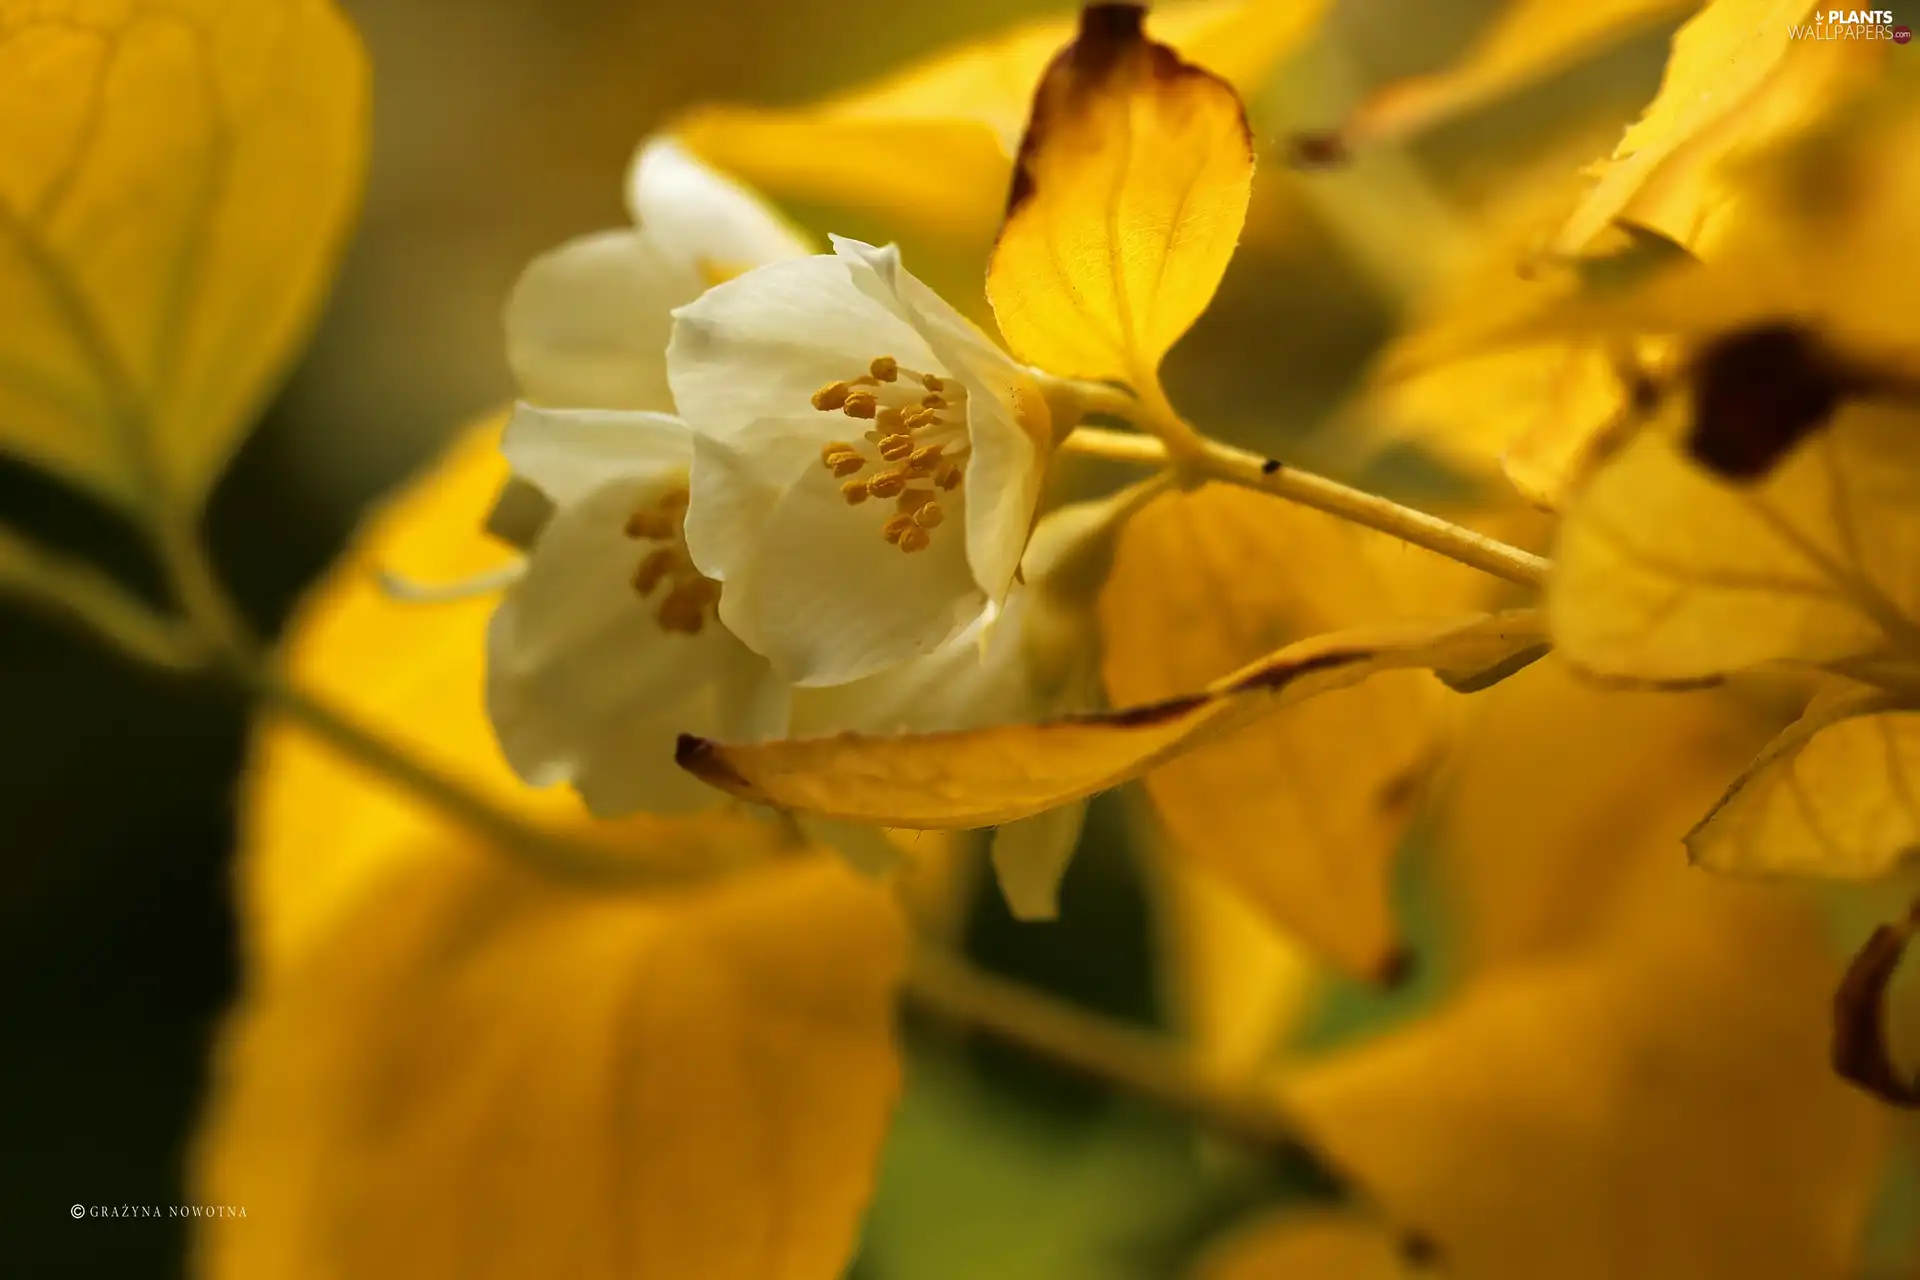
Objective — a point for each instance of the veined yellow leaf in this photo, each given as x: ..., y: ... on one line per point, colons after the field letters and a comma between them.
x: 445, y: 1065
x: 1302, y: 812
x: 1836, y: 794
x: 1128, y: 198
x: 1630, y: 1039
x: 178, y: 180
x: 982, y: 777
x: 932, y: 145
x: 1667, y: 571
x: 474, y: 1072
x: 1529, y: 41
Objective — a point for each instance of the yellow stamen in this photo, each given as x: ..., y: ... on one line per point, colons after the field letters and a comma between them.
x: 925, y: 458
x: 930, y: 382
x: 653, y: 526
x: 948, y: 477
x: 934, y: 402
x: 847, y: 464
x: 914, y: 538
x: 861, y: 404
x: 894, y: 448
x: 885, y: 368
x: 856, y: 492
x: 888, y: 484
x: 685, y: 609
x: 929, y: 515
x: 890, y: 421
x: 831, y: 396
x: 654, y: 569
x: 896, y: 527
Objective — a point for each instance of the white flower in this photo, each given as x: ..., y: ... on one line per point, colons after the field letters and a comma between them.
x: 588, y: 323
x: 608, y: 646
x: 866, y: 463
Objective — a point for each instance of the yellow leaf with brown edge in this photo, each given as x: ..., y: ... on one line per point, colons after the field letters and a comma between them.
x: 983, y: 777
x: 179, y: 178
x: 444, y: 1064
x: 1529, y: 41
x: 1300, y: 813
x: 931, y: 146
x: 1636, y: 1082
x: 1722, y: 58
x: 1837, y: 795
x: 1128, y: 197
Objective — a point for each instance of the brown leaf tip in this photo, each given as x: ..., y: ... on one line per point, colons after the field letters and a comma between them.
x: 1758, y: 392
x: 706, y: 760
x: 1112, y: 41
x: 1860, y: 1050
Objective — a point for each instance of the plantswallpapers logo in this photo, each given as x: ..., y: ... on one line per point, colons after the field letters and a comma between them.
x: 1852, y: 24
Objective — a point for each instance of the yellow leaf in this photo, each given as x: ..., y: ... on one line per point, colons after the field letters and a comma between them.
x: 982, y: 777
x: 178, y: 180
x: 476, y: 1073
x: 1722, y: 58
x: 1311, y: 1244
x: 445, y: 1065
x: 932, y: 145
x: 1301, y: 812
x: 1128, y: 197
x: 1531, y: 811
x: 1836, y: 794
x: 1529, y: 41
x: 1235, y: 985
x: 1666, y: 571
x: 411, y: 672
x: 1635, y: 1082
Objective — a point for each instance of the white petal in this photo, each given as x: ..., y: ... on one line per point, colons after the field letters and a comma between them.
x: 754, y: 704
x: 588, y: 323
x: 1008, y: 467
x: 978, y: 678
x: 630, y: 768
x: 760, y: 346
x: 1030, y: 857
x: 569, y: 453
x: 701, y: 217
x: 734, y: 489
x: 577, y: 664
x: 814, y: 587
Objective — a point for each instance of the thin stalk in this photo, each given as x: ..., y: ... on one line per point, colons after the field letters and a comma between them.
x: 1218, y: 461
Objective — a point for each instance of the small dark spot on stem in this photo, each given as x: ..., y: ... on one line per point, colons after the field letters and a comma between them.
x: 1271, y: 467
x: 1318, y: 149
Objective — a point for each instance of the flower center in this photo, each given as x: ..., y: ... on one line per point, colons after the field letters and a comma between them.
x: 917, y: 447
x: 690, y: 597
